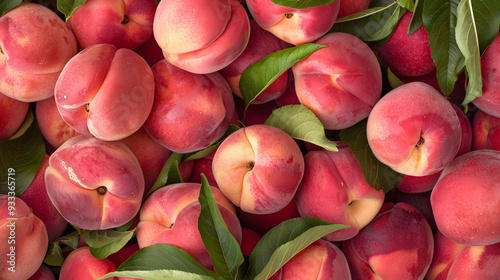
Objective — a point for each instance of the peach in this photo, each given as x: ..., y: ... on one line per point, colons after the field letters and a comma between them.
x: 255, y: 113
x: 340, y: 83
x: 261, y: 44
x: 485, y: 131
x: 295, y: 26
x: 397, y: 244
x: 150, y: 51
x: 352, y: 6
x: 105, y: 91
x: 455, y: 261
x: 203, y: 166
x: 12, y: 116
x: 321, y: 260
x: 407, y: 55
x: 414, y: 130
x: 221, y: 52
x: 123, y: 23
x: 249, y: 240
x: 95, y: 184
x: 23, y: 236
x: 170, y: 216
x: 43, y: 273
x: 54, y: 129
x: 489, y: 101
x: 37, y: 198
x: 258, y: 168
x: 81, y: 264
x: 200, y: 104
x: 30, y: 60
x: 289, y: 97
x: 334, y: 189
x: 469, y: 182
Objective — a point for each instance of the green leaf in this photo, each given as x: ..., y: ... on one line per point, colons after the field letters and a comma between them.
x: 65, y: 243
x: 6, y: 6
x: 440, y: 19
x: 103, y: 243
x: 223, y: 248
x: 487, y: 20
x: 302, y: 4
x: 169, y: 174
x: 407, y: 4
x: 22, y: 157
x: 283, y: 242
x: 162, y: 257
x: 467, y: 41
x: 377, y: 175
x: 373, y: 24
x: 205, y: 152
x: 416, y: 20
x: 68, y: 7
x: 302, y: 124
x: 159, y: 275
x: 259, y: 75
x: 394, y: 81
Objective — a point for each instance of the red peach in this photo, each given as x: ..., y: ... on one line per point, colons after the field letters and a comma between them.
x: 12, y: 116
x: 81, y: 264
x: 485, y: 129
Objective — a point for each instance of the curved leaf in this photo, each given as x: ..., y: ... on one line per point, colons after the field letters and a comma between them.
x: 416, y: 19
x: 169, y: 174
x: 68, y: 7
x: 158, y: 275
x: 302, y: 4
x: 302, y: 124
x: 6, y: 6
x: 103, y: 243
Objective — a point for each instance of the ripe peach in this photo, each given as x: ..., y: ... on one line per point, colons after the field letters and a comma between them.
x: 340, y: 83
x: 486, y: 131
x: 30, y: 61
x: 469, y: 182
x: 200, y: 104
x: 170, y: 216
x: 81, y: 264
x: 334, y: 189
x: 23, y: 238
x: 95, y: 184
x: 12, y: 116
x: 203, y: 165
x: 105, y: 91
x: 258, y: 168
x: 125, y: 24
x: 414, y: 130
x: 295, y: 26
x: 261, y: 43
x: 221, y: 52
x: 255, y: 113
x: 407, y: 55
x: 352, y: 6
x: 397, y: 244
x: 43, y: 273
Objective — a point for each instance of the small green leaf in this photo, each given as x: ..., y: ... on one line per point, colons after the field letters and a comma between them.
x: 302, y: 124
x: 56, y: 249
x: 205, y: 152
x: 223, y: 248
x: 6, y: 6
x: 467, y: 41
x: 103, y: 243
x: 283, y: 242
x: 302, y: 4
x: 22, y: 157
x: 416, y: 20
x: 259, y: 75
x: 162, y: 257
x: 487, y: 20
x: 159, y: 275
x: 407, y: 4
x: 377, y: 175
x: 394, y: 81
x: 169, y: 174
x: 68, y: 7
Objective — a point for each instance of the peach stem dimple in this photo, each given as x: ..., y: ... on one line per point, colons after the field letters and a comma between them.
x: 250, y: 165
x: 420, y: 142
x: 87, y: 107
x: 288, y: 15
x: 125, y: 20
x: 102, y: 190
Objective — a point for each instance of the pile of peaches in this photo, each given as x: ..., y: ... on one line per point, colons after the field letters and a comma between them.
x: 140, y: 106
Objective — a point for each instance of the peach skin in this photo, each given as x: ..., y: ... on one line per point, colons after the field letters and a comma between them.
x: 12, y: 116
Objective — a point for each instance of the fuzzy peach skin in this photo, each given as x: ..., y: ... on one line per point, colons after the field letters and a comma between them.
x: 456, y: 261
x: 105, y: 91
x: 261, y: 44
x: 95, y: 184
x: 190, y: 111
x: 170, y: 216
x: 82, y: 265
x: 334, y: 189
x: 466, y: 197
x: 181, y: 26
x: 489, y: 101
x: 54, y: 129
x: 259, y: 168
x: 123, y: 23
x: 23, y: 238
x: 43, y: 273
x: 37, y: 198
x: 295, y: 26
x: 321, y: 260
x: 352, y: 6
x: 397, y: 244
x: 12, y: 115
x: 35, y: 45
x: 485, y: 131
x: 221, y: 52
x: 407, y: 55
x: 414, y: 130
x: 340, y: 83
